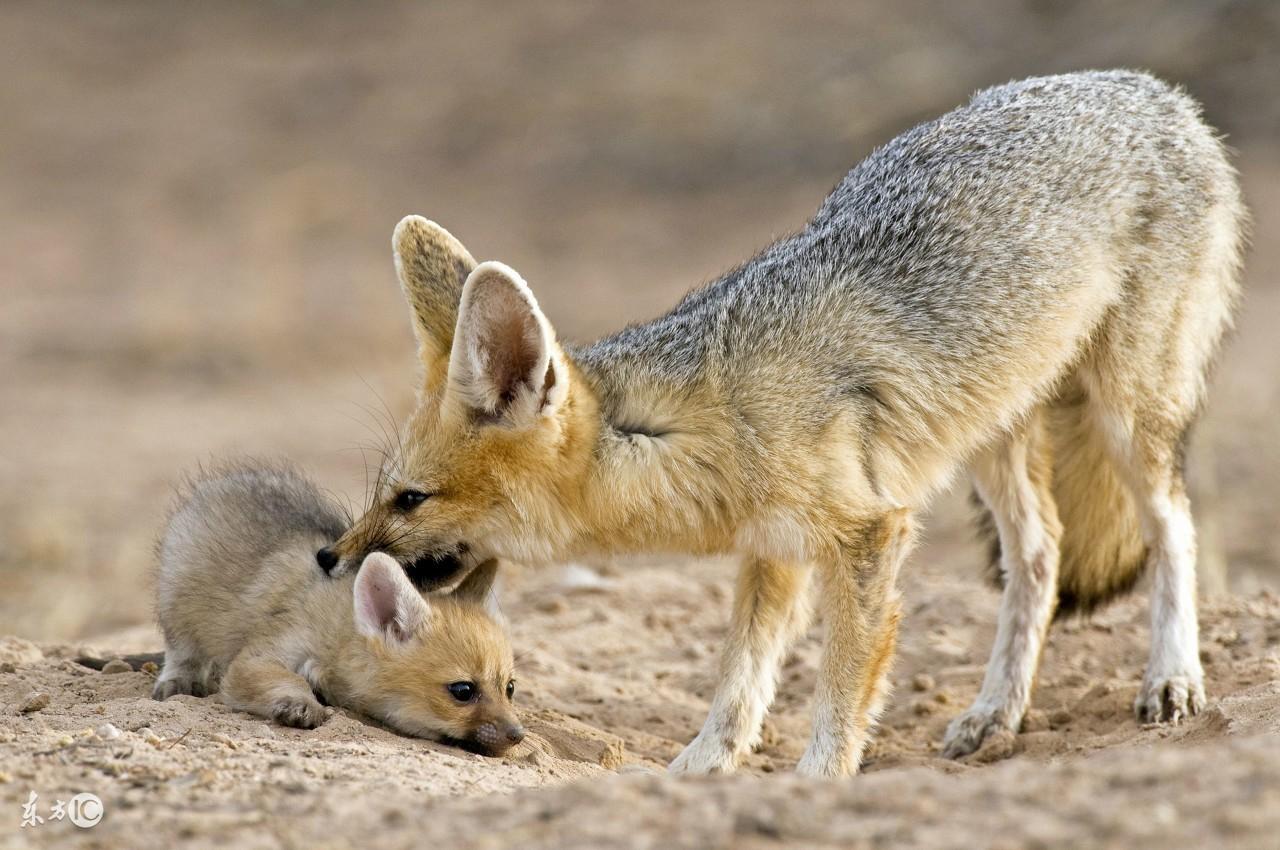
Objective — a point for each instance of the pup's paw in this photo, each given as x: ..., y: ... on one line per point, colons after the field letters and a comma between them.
x: 704, y: 755
x: 1169, y: 698
x: 174, y: 685
x: 966, y: 732
x: 299, y: 713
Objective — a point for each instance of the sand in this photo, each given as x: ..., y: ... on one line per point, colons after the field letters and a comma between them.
x: 615, y: 677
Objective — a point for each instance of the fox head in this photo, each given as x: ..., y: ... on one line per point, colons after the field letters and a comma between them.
x: 439, y: 669
x: 490, y: 463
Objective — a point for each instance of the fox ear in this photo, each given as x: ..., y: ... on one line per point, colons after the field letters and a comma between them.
x: 505, y: 364
x: 480, y: 587
x: 387, y: 605
x: 432, y: 267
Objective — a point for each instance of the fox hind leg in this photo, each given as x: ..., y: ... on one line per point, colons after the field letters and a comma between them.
x: 1013, y: 478
x: 1148, y: 448
x: 770, y: 609
x: 183, y: 672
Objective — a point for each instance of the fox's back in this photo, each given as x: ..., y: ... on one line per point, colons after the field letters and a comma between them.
x: 974, y: 247
x: 239, y: 550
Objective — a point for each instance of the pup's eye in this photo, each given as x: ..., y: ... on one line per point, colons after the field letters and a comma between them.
x: 463, y: 691
x: 407, y: 500
x: 511, y: 689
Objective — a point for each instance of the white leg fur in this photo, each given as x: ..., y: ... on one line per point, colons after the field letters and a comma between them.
x: 1173, y: 685
x: 770, y: 609
x: 1029, y: 531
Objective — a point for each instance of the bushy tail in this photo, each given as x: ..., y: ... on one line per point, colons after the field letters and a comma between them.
x: 1102, y: 550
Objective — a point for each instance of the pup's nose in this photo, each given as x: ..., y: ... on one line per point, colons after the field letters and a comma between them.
x: 515, y: 734
x: 327, y: 559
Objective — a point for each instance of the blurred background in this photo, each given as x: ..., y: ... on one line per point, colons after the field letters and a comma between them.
x: 196, y: 204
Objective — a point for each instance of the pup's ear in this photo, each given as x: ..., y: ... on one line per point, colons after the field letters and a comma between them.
x: 480, y: 587
x: 432, y: 267
x: 387, y: 606
x: 505, y: 366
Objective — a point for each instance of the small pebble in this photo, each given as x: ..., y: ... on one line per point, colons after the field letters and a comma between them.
x: 117, y: 665
x: 555, y: 605
x: 642, y: 769
x: 8, y: 667
x: 1059, y: 718
x: 35, y: 701
x: 1035, y: 721
x: 997, y: 746
x: 923, y: 682
x: 107, y: 732
x: 224, y: 740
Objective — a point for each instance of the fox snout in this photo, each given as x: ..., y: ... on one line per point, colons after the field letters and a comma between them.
x: 428, y: 572
x: 495, y: 738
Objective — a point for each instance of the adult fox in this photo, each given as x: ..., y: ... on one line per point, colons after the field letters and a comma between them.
x: 1032, y: 286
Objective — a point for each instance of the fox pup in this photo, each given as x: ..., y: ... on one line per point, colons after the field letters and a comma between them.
x: 1031, y: 287
x: 245, y: 610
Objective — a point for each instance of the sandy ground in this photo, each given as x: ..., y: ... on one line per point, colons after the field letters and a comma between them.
x: 615, y: 678
x: 195, y: 209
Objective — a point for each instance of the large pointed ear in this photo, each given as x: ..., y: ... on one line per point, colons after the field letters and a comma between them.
x: 480, y: 587
x: 432, y: 267
x: 505, y: 366
x: 387, y: 606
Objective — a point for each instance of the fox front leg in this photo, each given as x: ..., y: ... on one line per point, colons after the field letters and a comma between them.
x: 263, y: 686
x: 862, y: 608
x: 770, y: 608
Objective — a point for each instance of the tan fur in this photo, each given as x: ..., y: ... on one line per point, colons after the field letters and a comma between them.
x: 1102, y: 550
x: 1057, y: 236
x: 274, y: 632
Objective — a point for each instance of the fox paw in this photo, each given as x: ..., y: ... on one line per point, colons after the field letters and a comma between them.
x: 1169, y: 699
x: 704, y: 755
x: 966, y: 732
x: 174, y: 685
x: 299, y: 713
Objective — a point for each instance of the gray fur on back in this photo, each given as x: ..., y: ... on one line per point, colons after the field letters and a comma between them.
x: 940, y: 245
x: 245, y: 510
x: 229, y: 520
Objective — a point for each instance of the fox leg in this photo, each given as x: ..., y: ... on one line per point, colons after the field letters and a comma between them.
x: 263, y: 686
x: 770, y: 608
x: 1150, y: 459
x: 1173, y: 684
x: 1013, y: 478
x: 184, y: 672
x: 862, y: 608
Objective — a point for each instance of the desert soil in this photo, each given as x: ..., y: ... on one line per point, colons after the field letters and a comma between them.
x: 195, y: 211
x: 615, y: 676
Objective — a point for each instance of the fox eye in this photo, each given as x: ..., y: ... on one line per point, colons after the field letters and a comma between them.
x: 511, y: 689
x: 463, y: 691
x: 407, y: 500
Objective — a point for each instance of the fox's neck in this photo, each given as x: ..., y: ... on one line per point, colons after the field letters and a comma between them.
x: 665, y: 465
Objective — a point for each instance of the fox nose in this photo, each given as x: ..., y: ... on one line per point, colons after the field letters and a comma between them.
x: 515, y: 734
x: 327, y: 559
